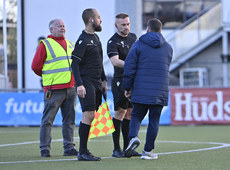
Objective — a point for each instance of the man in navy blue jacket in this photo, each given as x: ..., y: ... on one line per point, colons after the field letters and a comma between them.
x: 146, y: 82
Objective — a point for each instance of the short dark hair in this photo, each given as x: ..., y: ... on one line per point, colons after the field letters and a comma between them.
x: 154, y: 25
x: 122, y: 15
x: 87, y: 14
x: 41, y: 38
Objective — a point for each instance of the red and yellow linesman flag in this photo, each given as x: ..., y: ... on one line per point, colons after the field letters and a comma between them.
x: 102, y: 123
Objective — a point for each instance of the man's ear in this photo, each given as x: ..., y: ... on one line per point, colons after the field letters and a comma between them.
x: 147, y: 29
x: 91, y: 20
x: 51, y: 30
x: 115, y: 25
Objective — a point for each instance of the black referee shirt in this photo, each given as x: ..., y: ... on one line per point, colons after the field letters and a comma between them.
x: 118, y: 45
x: 88, y: 57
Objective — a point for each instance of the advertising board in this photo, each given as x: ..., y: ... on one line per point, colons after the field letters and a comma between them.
x: 25, y: 109
x: 200, y: 106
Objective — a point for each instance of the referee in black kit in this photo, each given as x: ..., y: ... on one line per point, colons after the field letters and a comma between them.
x: 87, y: 66
x: 118, y: 48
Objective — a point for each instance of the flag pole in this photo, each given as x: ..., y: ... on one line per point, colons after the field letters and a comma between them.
x: 5, y: 43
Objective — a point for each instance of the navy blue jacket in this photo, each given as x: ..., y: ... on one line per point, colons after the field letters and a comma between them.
x: 146, y: 70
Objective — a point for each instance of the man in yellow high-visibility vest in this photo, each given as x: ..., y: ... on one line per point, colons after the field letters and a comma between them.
x: 52, y: 61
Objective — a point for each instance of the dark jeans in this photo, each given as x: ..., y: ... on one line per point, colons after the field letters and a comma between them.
x: 138, y: 114
x: 65, y: 99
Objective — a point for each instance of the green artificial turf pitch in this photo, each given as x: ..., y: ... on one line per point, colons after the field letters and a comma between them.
x: 179, y: 147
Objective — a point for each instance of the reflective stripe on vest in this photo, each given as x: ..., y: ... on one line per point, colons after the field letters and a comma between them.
x: 56, y: 69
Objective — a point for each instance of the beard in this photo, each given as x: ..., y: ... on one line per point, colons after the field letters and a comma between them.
x: 125, y: 32
x: 97, y: 28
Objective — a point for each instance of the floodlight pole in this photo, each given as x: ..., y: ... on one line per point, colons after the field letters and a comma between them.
x: 225, y: 42
x: 225, y: 58
x: 5, y: 43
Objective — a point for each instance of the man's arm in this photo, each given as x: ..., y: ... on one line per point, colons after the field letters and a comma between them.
x: 76, y: 70
x: 104, y: 82
x: 113, y: 54
x: 117, y: 62
x: 81, y: 92
x: 77, y: 56
x: 39, y: 59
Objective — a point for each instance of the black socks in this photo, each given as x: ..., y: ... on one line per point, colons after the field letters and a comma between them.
x: 120, y: 126
x: 83, y: 134
x: 116, y: 133
x: 125, y: 132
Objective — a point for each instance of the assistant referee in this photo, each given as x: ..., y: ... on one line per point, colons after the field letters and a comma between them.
x: 118, y: 48
x: 87, y: 66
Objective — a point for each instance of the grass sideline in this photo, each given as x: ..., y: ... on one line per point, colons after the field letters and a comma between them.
x: 205, y: 147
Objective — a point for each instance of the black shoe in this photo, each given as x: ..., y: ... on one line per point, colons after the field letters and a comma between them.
x: 71, y: 152
x: 118, y: 154
x: 87, y: 156
x: 45, y: 153
x: 135, y: 153
x: 133, y: 144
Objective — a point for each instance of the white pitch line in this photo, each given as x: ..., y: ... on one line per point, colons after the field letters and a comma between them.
x: 32, y: 142
x: 16, y: 144
x: 196, y: 150
x: 222, y: 145
x: 34, y: 161
x: 53, y: 140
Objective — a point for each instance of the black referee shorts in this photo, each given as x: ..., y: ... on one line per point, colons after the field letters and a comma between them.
x: 119, y: 98
x: 93, y: 97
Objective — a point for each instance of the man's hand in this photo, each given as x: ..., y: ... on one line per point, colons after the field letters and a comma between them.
x: 81, y: 92
x: 128, y: 94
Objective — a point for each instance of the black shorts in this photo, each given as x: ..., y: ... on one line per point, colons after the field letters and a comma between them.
x: 119, y: 98
x: 93, y: 97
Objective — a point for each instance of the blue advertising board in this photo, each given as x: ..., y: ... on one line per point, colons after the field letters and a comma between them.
x: 25, y: 109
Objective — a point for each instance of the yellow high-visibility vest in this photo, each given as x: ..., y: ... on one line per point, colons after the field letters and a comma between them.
x: 57, y: 66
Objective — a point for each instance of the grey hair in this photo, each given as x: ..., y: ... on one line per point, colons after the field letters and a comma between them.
x: 52, y: 23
